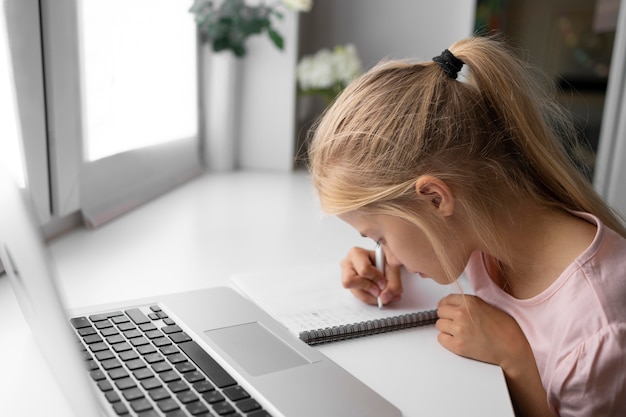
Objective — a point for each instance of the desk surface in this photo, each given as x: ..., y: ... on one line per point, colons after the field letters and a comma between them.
x: 198, y: 236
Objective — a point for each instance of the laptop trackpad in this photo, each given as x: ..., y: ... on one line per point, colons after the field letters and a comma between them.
x: 255, y: 348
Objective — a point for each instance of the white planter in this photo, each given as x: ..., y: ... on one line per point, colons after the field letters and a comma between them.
x: 222, y: 72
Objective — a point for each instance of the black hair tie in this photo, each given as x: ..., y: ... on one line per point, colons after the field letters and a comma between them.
x: 450, y: 64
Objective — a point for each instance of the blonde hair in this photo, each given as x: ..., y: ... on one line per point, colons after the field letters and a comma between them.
x: 495, y: 138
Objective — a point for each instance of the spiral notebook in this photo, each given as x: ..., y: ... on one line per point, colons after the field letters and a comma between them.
x: 311, y: 303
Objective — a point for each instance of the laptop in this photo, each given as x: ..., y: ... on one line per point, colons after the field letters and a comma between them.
x: 209, y: 352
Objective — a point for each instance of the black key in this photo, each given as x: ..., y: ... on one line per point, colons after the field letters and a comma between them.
x: 120, y: 409
x: 104, y: 316
x: 146, y: 327
x: 196, y: 408
x: 186, y: 397
x: 111, y: 364
x: 135, y: 364
x: 112, y: 396
x: 125, y: 383
x: 171, y: 350
x: 161, y: 367
x: 109, y: 331
x: 153, y: 358
x: 203, y: 386
x: 143, y: 373
x: 132, y: 394
x: 120, y: 319
x: 260, y: 413
x: 104, y: 324
x: 214, y: 371
x: 137, y: 316
x: 126, y: 326
x: 248, y: 405
x: 118, y: 373
x: 155, y: 308
x: 86, y: 331
x: 153, y: 333
x: 236, y: 393
x: 139, y: 341
x: 105, y: 386
x: 104, y: 355
x: 128, y: 355
x: 180, y: 337
x: 169, y: 376
x: 146, y: 349
x: 121, y: 347
x: 151, y: 413
x: 97, y: 375
x: 91, y: 365
x: 178, y: 386
x: 161, y: 341
x: 168, y: 404
x: 97, y: 347
x: 177, y: 358
x: 80, y: 322
x: 92, y: 338
x: 213, y: 397
x: 141, y: 405
x: 116, y: 338
x: 223, y: 408
x: 179, y: 413
x: 151, y: 383
x: 158, y: 394
x: 193, y: 376
x: 134, y: 332
x: 171, y: 329
x: 185, y: 367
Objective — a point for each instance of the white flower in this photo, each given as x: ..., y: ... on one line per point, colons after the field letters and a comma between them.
x: 329, y: 69
x: 347, y: 64
x: 299, y: 5
x: 316, y: 71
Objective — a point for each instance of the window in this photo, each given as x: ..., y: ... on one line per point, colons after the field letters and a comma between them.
x: 25, y: 99
x: 10, y: 130
x: 120, y: 71
x: 139, y: 71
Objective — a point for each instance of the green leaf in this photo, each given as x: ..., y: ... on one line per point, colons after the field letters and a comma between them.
x: 239, y: 50
x: 276, y: 38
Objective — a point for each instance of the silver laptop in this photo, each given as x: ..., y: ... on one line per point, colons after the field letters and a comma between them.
x: 208, y: 352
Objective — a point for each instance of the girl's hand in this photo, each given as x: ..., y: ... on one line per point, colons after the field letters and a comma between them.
x: 359, y: 275
x: 472, y: 328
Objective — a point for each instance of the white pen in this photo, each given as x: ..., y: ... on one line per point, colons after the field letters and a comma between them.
x: 380, y: 265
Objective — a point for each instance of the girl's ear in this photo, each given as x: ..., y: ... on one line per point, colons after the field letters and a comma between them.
x: 436, y: 193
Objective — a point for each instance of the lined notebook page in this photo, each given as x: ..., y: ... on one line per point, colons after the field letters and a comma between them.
x: 311, y: 297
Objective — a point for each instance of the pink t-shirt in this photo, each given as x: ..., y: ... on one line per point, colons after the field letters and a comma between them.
x: 576, y: 327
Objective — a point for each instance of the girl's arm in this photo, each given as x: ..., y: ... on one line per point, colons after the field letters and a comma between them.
x: 472, y: 328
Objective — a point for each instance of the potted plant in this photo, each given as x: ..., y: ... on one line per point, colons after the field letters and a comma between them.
x: 228, y: 25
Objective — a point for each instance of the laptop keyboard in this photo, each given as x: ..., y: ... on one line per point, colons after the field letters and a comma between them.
x: 145, y: 365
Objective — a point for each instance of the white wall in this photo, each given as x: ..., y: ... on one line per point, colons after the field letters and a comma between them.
x: 266, y: 132
x: 388, y: 29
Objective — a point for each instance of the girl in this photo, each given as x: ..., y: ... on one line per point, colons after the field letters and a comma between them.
x: 473, y: 175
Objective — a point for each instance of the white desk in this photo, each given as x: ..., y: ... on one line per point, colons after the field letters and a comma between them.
x: 198, y: 236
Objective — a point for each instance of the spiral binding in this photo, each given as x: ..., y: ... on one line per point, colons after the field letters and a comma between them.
x: 366, y: 328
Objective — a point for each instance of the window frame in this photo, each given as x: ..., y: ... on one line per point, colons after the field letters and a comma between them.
x: 104, y: 189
